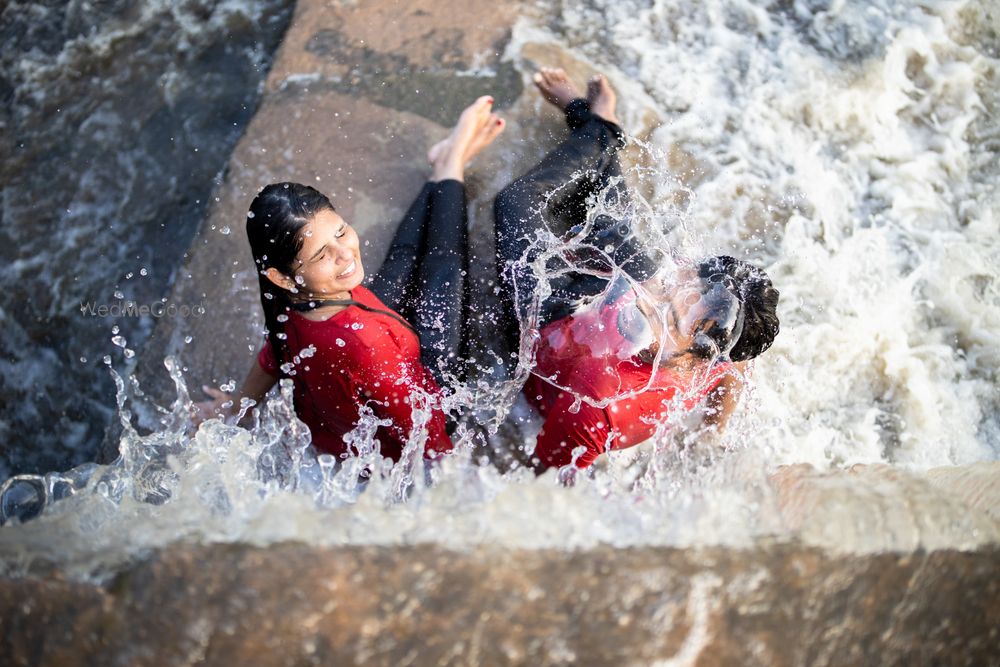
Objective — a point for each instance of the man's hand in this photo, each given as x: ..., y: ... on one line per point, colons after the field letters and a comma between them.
x: 722, y: 400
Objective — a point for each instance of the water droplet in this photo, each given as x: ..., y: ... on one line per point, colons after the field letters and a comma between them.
x: 250, y: 214
x: 282, y: 318
x: 118, y: 340
x: 357, y: 325
x: 129, y: 353
x: 188, y: 339
x: 143, y: 272
x: 119, y: 295
x: 340, y: 342
x: 225, y: 231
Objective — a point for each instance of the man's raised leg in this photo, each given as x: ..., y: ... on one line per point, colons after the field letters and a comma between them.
x: 555, y: 192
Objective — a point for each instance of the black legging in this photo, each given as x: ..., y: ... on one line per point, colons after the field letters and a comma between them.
x: 423, y: 275
x: 555, y: 193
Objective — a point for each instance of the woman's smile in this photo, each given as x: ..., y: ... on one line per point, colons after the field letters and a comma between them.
x: 349, y: 271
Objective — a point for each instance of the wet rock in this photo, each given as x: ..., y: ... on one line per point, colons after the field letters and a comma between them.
x: 292, y: 604
x: 879, y: 507
x: 116, y: 119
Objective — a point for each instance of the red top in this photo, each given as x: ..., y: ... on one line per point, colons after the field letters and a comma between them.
x: 580, y: 353
x: 356, y: 358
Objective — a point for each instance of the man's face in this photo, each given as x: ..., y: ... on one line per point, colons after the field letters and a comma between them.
x: 694, y: 320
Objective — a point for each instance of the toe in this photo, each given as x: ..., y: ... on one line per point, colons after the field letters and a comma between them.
x: 593, y: 88
x: 491, y: 130
x: 496, y: 124
x: 477, y: 108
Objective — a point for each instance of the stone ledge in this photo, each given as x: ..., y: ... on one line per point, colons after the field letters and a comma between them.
x: 293, y: 604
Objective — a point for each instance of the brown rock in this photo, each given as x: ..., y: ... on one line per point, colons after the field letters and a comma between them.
x: 879, y: 507
x: 293, y: 604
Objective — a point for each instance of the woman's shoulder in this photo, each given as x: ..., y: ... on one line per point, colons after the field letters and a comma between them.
x: 362, y: 294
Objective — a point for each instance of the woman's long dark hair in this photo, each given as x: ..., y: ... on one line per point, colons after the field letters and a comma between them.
x: 276, y: 218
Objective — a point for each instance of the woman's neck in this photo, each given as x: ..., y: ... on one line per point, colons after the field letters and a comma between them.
x: 324, y: 311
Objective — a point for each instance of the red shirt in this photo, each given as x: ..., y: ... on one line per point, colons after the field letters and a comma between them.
x: 581, y: 353
x: 356, y: 358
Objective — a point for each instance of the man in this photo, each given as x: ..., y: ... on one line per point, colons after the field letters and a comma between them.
x: 623, y: 342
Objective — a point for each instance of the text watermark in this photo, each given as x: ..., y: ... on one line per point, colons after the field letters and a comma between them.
x: 135, y: 309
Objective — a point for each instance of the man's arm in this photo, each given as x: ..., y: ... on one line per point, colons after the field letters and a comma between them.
x: 722, y: 400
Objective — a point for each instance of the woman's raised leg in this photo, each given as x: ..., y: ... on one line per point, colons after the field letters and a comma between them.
x: 438, y: 294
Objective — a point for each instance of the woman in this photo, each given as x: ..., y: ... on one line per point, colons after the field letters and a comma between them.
x: 346, y: 346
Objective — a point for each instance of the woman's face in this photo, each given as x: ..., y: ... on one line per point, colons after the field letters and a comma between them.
x: 329, y: 262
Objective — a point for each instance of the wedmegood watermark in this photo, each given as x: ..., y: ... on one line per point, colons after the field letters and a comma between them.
x: 135, y: 309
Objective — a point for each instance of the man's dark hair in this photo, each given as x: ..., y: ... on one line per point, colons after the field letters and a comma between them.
x: 759, y: 299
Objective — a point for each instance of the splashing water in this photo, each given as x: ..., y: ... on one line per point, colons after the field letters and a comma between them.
x: 264, y: 484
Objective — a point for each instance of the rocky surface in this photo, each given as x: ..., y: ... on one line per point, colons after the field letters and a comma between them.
x: 879, y: 507
x: 293, y: 604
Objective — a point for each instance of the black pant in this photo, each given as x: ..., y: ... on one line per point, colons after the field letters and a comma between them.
x: 423, y: 276
x: 555, y: 194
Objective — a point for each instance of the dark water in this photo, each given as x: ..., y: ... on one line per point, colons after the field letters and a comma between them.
x: 117, y: 121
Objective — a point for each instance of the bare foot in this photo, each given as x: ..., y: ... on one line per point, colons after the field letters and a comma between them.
x: 477, y: 127
x: 602, y: 98
x: 480, y: 141
x: 556, y: 87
